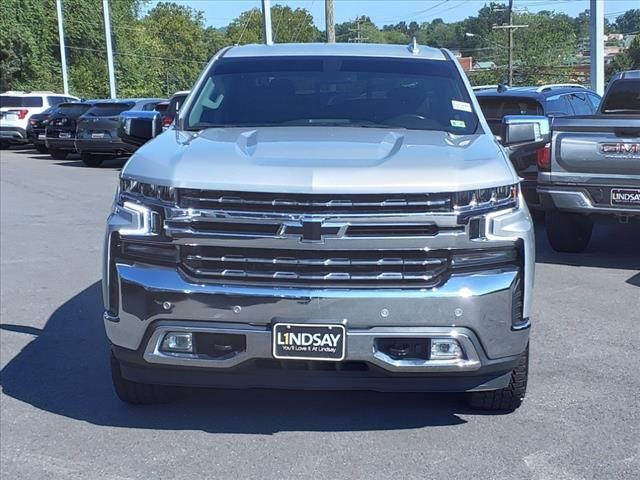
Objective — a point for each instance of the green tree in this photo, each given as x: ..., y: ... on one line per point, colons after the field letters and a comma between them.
x: 288, y: 26
x: 629, y: 22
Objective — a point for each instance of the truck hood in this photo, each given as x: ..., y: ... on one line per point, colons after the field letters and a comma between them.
x: 322, y: 160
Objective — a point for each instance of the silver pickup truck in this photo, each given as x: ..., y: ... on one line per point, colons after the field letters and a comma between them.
x: 591, y: 171
x: 323, y: 217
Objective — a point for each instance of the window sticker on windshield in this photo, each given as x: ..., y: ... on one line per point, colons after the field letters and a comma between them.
x: 458, y: 123
x: 462, y: 106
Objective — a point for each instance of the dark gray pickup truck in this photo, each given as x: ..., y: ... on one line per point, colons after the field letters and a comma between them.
x: 592, y: 171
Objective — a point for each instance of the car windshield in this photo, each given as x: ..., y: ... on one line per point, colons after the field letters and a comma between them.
x: 16, y: 101
x: 623, y: 96
x: 108, y: 109
x: 333, y: 91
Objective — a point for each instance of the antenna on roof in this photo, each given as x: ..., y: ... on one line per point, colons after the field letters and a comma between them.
x: 413, y: 46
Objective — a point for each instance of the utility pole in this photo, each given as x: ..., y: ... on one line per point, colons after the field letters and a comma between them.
x: 63, y: 52
x: 331, y: 26
x: 596, y: 18
x: 107, y: 33
x: 511, y: 27
x: 266, y: 19
x: 510, y: 43
x: 359, y: 38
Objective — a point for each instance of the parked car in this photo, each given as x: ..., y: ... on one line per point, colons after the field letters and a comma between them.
x: 328, y: 216
x: 555, y: 100
x: 161, y: 108
x: 60, y: 130
x: 36, y: 128
x: 16, y: 108
x: 175, y: 102
x: 97, y: 136
x: 592, y: 172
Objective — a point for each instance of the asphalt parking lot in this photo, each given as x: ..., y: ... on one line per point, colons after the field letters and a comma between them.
x: 61, y: 419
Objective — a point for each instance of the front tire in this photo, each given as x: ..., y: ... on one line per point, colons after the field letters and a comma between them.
x: 58, y: 154
x: 506, y: 399
x: 138, y: 393
x: 568, y: 232
x: 42, y: 148
x: 90, y: 160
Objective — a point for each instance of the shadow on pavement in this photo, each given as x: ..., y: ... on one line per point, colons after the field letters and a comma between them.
x: 64, y: 370
x: 612, y: 246
x: 72, y: 160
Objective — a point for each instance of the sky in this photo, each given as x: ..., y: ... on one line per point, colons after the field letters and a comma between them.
x: 219, y: 13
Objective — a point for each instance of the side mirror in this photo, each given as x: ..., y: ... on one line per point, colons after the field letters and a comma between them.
x: 138, y: 127
x: 524, y: 134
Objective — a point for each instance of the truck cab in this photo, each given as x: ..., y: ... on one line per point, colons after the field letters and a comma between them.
x: 323, y: 217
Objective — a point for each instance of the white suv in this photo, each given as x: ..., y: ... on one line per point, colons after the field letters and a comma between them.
x: 17, y: 107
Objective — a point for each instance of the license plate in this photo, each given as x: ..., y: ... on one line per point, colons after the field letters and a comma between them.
x: 295, y: 341
x: 97, y: 135
x: 625, y: 196
x: 65, y: 135
x: 41, y: 136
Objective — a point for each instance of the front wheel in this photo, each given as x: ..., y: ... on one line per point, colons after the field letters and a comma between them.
x: 58, y: 154
x: 42, y: 148
x: 568, y: 232
x: 506, y: 399
x: 91, y: 160
x: 138, y: 393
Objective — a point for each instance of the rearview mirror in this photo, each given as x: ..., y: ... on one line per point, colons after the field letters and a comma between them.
x: 524, y: 134
x: 138, y: 127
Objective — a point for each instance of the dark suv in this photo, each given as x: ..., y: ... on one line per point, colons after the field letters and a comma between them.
x: 60, y: 131
x: 97, y: 134
x: 556, y: 100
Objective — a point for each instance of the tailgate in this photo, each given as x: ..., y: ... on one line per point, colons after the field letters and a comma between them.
x: 596, y: 150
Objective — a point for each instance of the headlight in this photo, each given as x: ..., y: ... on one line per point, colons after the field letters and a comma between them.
x: 150, y: 191
x: 486, y: 198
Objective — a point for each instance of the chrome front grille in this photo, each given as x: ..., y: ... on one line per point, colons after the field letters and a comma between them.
x: 342, y: 268
x: 316, y: 204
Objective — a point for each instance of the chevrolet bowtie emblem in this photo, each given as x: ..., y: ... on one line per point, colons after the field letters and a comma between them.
x: 312, y: 230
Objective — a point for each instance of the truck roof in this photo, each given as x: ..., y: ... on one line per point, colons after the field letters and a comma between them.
x: 335, y: 49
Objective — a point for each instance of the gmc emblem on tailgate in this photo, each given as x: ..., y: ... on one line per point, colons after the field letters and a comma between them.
x: 620, y: 148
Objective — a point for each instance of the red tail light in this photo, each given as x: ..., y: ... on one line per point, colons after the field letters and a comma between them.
x: 21, y: 113
x: 166, y: 121
x: 543, y: 157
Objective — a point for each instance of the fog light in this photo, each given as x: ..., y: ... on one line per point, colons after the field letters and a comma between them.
x: 445, y: 349
x: 178, y: 342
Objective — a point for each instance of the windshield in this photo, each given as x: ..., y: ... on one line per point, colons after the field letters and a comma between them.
x: 108, y: 109
x: 333, y: 91
x: 14, y: 101
x: 623, y: 96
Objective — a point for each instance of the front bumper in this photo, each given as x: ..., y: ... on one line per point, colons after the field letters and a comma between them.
x: 475, y: 309
x: 579, y: 199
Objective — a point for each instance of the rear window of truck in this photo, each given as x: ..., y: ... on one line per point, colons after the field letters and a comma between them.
x: 623, y: 96
x: 334, y: 91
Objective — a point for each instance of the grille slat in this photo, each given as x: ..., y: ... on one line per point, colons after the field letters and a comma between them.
x: 315, y: 203
x: 325, y: 268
